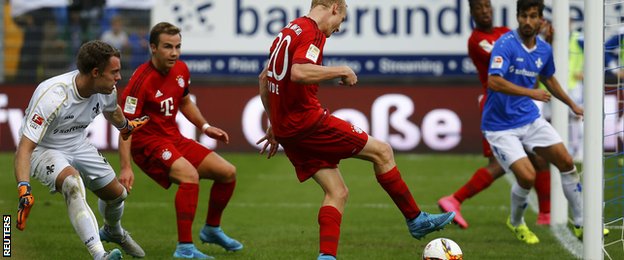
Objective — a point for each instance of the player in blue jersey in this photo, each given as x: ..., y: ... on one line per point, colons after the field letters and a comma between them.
x: 511, y: 122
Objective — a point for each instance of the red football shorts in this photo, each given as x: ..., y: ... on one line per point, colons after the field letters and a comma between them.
x: 487, y: 150
x: 333, y: 140
x: 156, y: 158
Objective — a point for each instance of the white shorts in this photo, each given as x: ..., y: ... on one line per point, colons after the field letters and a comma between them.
x: 509, y: 145
x: 47, y: 164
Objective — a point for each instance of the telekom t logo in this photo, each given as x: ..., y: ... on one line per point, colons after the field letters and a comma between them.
x: 166, y: 106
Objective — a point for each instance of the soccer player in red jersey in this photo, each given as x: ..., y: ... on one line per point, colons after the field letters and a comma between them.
x: 480, y: 45
x: 313, y: 139
x: 160, y: 88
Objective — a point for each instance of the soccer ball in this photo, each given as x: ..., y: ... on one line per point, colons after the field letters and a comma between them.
x: 442, y: 249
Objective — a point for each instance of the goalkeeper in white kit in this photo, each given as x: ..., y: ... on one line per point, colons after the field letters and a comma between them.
x: 54, y: 148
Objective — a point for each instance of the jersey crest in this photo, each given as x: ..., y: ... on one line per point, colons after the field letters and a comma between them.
x: 539, y: 63
x: 166, y: 154
x: 180, y: 81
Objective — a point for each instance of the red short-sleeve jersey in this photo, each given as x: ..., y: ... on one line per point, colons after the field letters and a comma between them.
x: 480, y: 46
x: 294, y: 106
x: 150, y: 92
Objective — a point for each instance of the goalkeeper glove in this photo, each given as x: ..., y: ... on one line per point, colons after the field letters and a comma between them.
x: 26, y: 201
x: 132, y: 125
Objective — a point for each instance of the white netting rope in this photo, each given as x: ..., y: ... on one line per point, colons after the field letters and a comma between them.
x: 614, y: 129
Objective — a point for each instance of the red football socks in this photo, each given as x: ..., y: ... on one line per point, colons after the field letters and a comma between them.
x: 329, y: 219
x: 220, y: 195
x: 185, y: 205
x: 542, y: 188
x: 480, y: 180
x: 399, y: 192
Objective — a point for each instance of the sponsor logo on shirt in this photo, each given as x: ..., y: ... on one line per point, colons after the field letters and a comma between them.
x: 158, y: 94
x: 130, y: 105
x: 313, y: 53
x: 497, y: 62
x: 180, y: 80
x: 486, y: 46
x: 69, y: 130
x: 526, y: 73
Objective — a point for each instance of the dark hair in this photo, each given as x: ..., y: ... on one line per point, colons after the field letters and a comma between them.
x: 160, y: 28
x: 95, y: 54
x: 471, y: 3
x: 524, y: 5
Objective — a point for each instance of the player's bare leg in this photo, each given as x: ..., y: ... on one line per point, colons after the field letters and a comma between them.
x: 223, y: 173
x: 525, y: 176
x: 388, y: 176
x: 111, y: 207
x: 479, y: 181
x: 330, y: 213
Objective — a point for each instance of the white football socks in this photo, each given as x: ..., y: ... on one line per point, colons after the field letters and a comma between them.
x: 519, y: 197
x: 572, y: 189
x: 81, y: 216
x: 112, y: 211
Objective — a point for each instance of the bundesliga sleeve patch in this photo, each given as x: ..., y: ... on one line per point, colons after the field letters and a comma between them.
x: 313, y: 53
x: 37, y: 121
x: 497, y: 62
x: 130, y: 105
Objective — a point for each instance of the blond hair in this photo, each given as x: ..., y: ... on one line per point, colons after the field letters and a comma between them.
x: 328, y: 3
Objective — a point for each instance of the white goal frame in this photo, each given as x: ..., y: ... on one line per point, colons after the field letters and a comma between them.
x: 593, y: 126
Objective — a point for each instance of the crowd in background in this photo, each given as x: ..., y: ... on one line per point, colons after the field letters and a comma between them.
x: 42, y: 42
x: 45, y: 40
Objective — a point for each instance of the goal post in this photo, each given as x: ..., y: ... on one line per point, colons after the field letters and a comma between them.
x: 559, y: 117
x: 593, y: 127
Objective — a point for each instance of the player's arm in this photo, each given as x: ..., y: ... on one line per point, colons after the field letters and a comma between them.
x: 116, y: 117
x: 263, y: 89
x: 309, y: 73
x: 24, y: 151
x: 125, y: 126
x: 552, y: 84
x: 126, y: 175
x: 271, y: 143
x: 22, y: 159
x: 192, y: 113
x: 498, y: 83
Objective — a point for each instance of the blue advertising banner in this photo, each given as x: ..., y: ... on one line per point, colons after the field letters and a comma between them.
x: 363, y: 65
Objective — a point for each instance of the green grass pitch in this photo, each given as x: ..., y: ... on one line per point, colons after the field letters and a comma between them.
x: 275, y: 216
